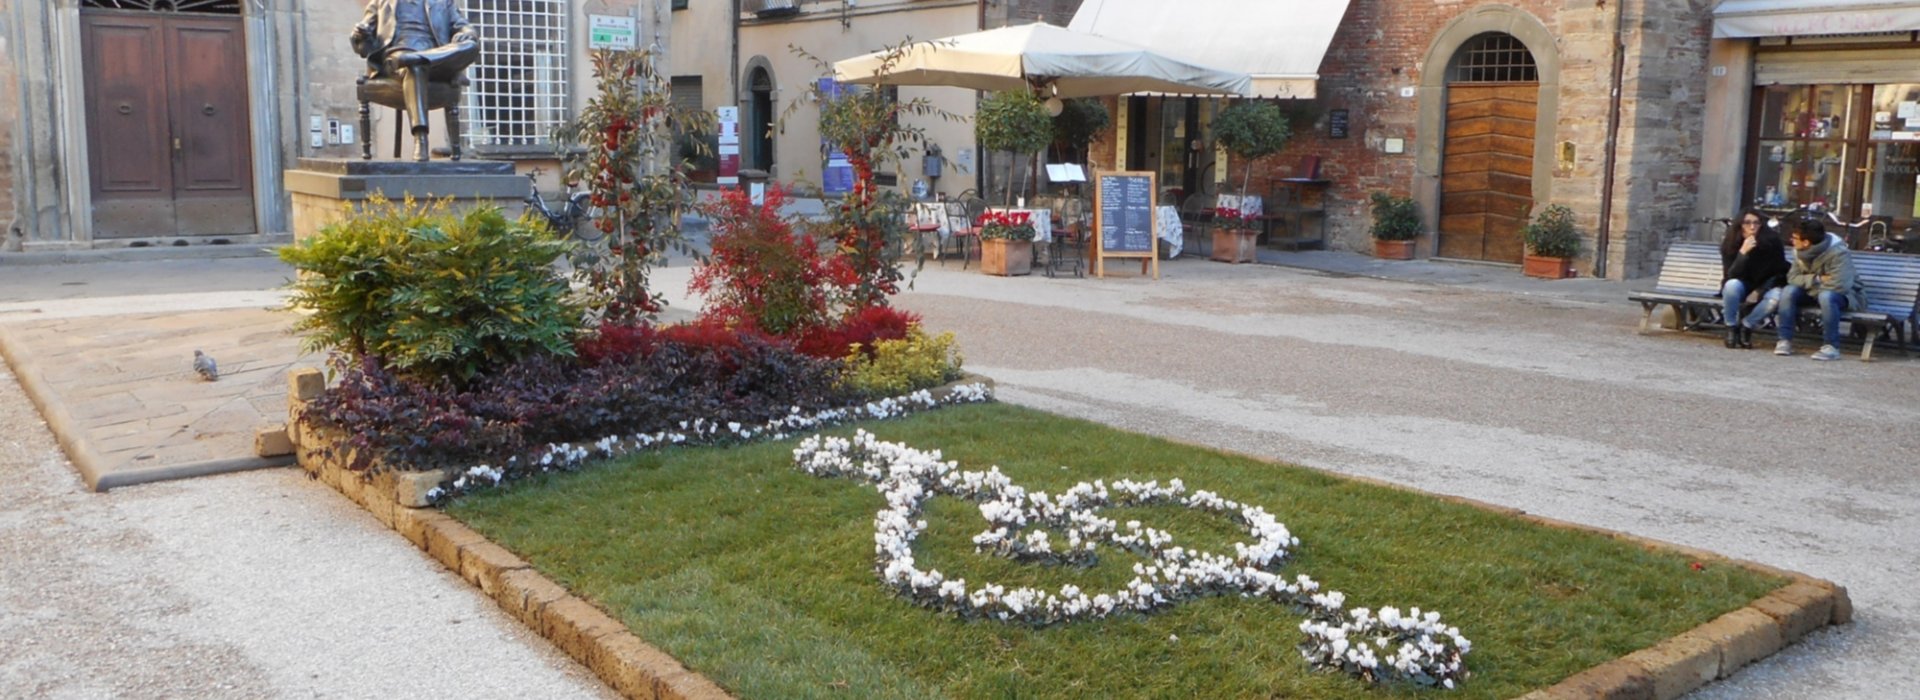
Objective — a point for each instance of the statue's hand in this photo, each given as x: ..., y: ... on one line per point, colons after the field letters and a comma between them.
x: 362, y: 31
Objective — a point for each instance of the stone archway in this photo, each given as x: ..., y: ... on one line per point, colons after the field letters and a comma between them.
x: 1435, y: 95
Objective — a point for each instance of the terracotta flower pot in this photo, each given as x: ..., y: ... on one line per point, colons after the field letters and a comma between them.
x: 1006, y: 258
x: 1392, y: 250
x: 1235, y: 245
x: 1547, y: 268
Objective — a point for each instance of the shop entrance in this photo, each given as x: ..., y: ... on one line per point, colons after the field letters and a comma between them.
x: 1486, y: 172
x: 168, y: 133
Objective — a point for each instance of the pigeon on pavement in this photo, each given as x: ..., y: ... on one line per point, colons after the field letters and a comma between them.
x: 203, y: 363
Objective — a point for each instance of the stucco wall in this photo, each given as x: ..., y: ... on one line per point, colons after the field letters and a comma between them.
x: 820, y: 31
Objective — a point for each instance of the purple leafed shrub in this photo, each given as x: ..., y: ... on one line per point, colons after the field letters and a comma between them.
x: 407, y: 424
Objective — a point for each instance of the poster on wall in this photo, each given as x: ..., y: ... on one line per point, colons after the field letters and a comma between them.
x: 836, y: 172
x: 727, y: 152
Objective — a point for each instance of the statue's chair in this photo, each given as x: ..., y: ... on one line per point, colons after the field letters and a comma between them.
x: 386, y: 92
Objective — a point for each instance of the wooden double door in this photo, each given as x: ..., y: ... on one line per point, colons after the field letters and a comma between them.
x: 168, y: 132
x: 1486, y: 172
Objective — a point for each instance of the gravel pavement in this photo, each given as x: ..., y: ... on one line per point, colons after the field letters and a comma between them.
x: 1552, y: 406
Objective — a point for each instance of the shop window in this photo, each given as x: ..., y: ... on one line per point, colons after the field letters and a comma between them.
x: 1806, y: 140
x: 519, y: 90
x: 1893, y: 165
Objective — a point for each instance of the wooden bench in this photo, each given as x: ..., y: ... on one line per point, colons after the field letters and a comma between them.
x: 1690, y: 282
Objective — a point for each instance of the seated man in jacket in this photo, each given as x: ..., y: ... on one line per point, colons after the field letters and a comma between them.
x: 419, y: 42
x: 1821, y: 273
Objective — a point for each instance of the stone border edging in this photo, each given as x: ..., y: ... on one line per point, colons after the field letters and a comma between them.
x: 1674, y: 667
x: 1685, y: 662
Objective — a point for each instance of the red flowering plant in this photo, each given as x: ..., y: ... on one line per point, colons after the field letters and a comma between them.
x: 875, y: 130
x: 1007, y: 225
x: 621, y: 146
x: 761, y: 274
x: 1232, y: 219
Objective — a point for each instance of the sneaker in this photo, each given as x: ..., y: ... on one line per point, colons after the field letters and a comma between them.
x: 1827, y: 353
x: 1784, y: 347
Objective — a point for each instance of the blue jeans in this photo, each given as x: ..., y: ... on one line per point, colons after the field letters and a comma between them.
x: 1734, y: 293
x: 1832, y: 305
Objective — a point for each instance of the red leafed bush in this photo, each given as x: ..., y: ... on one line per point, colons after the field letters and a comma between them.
x: 865, y: 326
x: 617, y: 343
x: 762, y: 274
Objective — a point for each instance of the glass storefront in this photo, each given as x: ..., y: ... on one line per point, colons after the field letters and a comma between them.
x: 1850, y: 149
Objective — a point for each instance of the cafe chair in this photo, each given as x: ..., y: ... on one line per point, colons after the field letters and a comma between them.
x: 1069, y: 246
x: 963, y: 232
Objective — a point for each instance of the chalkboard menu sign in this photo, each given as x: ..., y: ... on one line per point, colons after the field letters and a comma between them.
x: 1124, y: 219
x: 1337, y: 124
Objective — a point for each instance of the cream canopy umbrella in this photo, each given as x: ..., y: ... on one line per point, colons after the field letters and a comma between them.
x: 1043, y: 56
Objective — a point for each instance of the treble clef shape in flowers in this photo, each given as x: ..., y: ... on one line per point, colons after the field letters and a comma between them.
x: 1388, y: 646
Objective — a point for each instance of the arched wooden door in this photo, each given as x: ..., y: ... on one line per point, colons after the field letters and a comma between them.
x: 1486, y: 171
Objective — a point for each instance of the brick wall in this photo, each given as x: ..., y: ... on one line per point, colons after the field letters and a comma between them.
x: 1381, y: 48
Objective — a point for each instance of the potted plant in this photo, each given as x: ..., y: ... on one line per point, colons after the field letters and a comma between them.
x: 1006, y: 243
x: 1249, y: 131
x: 1551, y: 242
x: 1013, y: 121
x: 1396, y: 222
x: 1235, y: 238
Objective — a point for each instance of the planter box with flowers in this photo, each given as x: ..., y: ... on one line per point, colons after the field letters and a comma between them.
x: 1396, y: 223
x: 1551, y: 242
x: 1235, y: 240
x: 1006, y: 243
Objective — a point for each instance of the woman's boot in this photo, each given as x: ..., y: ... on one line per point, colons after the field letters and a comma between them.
x: 1733, y: 337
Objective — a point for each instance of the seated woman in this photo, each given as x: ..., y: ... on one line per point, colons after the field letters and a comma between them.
x: 1755, y: 261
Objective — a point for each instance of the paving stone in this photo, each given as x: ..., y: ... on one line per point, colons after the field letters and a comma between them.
x: 1743, y: 636
x: 1679, y: 665
x: 1799, y: 608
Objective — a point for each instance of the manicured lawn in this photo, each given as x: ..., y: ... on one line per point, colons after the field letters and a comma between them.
x: 761, y: 577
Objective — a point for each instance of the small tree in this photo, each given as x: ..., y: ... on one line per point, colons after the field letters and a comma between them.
x: 1251, y: 130
x: 1013, y: 121
x: 1079, y: 123
x: 623, y: 147
x: 871, y: 128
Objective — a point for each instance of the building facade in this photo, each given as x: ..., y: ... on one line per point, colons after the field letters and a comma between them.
x: 153, y: 122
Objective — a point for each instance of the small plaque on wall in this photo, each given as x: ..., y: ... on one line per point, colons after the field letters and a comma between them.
x: 1337, y: 124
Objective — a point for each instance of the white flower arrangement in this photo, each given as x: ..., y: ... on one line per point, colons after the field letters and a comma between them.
x: 701, y: 431
x: 1422, y: 649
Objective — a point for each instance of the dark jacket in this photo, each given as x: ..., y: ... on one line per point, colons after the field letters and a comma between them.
x: 448, y: 23
x: 1761, y: 269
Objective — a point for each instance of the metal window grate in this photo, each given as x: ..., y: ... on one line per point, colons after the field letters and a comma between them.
x: 221, y: 7
x: 1495, y: 58
x: 519, y: 90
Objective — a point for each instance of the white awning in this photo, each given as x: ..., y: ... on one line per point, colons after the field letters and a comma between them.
x: 1747, y: 19
x: 1278, y: 42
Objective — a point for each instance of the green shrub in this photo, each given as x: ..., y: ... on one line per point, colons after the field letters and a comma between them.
x: 896, y: 367
x: 431, y: 294
x: 1550, y: 234
x: 1395, y: 218
x: 1251, y: 130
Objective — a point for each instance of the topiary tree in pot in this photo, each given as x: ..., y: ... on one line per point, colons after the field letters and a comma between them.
x: 1012, y: 121
x: 1251, y: 131
x: 1552, y: 243
x: 1396, y: 223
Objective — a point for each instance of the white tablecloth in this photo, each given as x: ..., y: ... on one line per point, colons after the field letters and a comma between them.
x: 1042, y: 222
x: 1170, y: 230
x: 929, y: 213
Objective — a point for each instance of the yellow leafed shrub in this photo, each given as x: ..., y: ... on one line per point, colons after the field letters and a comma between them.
x: 896, y: 367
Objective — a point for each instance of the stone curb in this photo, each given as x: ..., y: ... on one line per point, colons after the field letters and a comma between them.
x: 72, y: 436
x: 1683, y: 663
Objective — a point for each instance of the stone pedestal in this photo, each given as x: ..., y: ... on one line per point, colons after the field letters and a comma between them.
x: 324, y: 190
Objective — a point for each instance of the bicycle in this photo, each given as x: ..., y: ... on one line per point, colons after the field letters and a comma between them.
x: 565, y: 222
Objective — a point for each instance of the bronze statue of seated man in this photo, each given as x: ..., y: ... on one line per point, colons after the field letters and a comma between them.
x: 418, y: 42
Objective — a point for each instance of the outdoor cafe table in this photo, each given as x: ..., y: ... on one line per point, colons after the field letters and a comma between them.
x: 1042, y: 222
